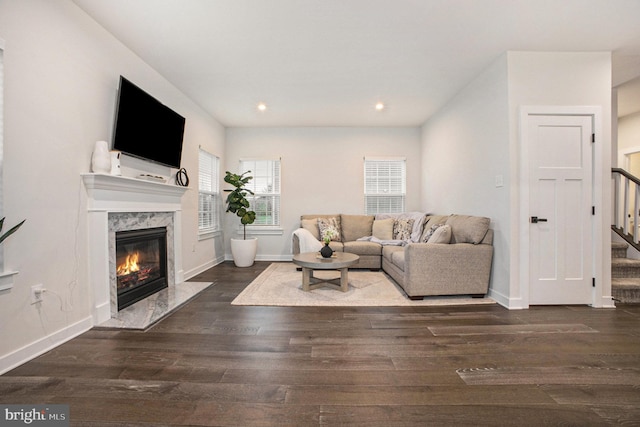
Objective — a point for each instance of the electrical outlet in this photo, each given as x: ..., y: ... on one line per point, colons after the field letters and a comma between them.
x: 36, y: 293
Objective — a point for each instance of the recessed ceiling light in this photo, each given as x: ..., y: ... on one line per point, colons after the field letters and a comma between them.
x: 262, y: 106
x: 379, y: 106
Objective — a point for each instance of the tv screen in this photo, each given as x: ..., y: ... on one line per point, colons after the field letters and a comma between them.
x: 146, y: 128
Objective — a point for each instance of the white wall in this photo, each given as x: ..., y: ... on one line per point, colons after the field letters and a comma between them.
x: 629, y: 133
x: 61, y: 79
x: 465, y: 152
x: 475, y: 140
x: 562, y: 79
x: 322, y: 171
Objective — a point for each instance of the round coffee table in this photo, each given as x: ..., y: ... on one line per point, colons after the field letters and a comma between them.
x: 310, y: 261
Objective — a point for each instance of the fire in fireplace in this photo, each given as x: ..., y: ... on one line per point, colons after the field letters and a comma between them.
x: 141, y: 264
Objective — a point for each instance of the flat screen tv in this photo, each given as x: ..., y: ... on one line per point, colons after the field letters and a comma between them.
x: 145, y: 128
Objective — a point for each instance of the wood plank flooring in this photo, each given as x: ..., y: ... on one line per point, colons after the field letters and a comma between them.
x: 214, y: 364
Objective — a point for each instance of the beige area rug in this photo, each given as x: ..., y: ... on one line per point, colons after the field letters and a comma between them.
x: 281, y: 285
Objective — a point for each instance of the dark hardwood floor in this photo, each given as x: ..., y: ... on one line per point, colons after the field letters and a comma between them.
x: 214, y: 364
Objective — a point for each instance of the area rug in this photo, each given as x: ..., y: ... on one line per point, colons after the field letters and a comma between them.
x: 281, y: 285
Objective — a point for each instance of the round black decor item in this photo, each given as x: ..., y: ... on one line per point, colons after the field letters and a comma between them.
x: 326, y: 251
x: 182, y: 179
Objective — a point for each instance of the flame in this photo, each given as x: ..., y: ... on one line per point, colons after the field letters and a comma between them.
x: 130, y: 265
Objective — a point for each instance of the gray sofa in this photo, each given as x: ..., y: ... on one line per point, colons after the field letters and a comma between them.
x: 457, y: 262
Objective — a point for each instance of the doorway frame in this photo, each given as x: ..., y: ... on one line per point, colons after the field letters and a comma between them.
x: 601, y: 234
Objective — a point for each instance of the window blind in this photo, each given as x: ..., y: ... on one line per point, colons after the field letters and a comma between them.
x: 209, y: 200
x: 385, y: 185
x: 266, y: 188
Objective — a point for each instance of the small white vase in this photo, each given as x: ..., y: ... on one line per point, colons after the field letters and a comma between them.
x: 101, y: 159
x: 115, y: 163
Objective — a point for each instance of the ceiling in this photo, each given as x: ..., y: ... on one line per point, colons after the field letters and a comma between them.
x: 327, y: 62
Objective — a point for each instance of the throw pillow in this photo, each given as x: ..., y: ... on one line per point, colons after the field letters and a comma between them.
x: 441, y: 234
x: 402, y: 229
x: 329, y: 225
x: 468, y: 229
x: 428, y: 232
x: 312, y: 226
x: 383, y: 228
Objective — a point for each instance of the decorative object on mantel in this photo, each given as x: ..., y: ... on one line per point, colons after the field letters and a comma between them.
x: 101, y: 159
x: 243, y: 250
x: 115, y: 163
x: 182, y: 179
x: 154, y: 178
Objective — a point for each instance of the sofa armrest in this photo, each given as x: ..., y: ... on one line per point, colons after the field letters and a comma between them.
x: 441, y: 269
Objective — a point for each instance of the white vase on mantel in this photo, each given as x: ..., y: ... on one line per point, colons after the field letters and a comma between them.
x: 101, y: 158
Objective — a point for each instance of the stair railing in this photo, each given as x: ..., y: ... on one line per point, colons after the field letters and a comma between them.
x: 625, y: 224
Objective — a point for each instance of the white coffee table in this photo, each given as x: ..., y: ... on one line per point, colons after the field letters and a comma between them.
x: 310, y: 261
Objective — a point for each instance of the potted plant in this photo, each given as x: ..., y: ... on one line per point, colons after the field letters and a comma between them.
x: 11, y: 231
x: 6, y: 278
x: 243, y: 250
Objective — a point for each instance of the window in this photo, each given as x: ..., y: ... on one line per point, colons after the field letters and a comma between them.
x: 209, y: 200
x: 266, y: 188
x: 384, y: 185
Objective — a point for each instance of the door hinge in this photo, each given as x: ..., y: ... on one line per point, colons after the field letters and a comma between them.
x: 593, y: 137
x: 593, y: 282
x: 593, y: 210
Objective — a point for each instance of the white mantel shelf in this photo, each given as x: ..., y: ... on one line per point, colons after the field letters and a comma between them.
x: 120, y: 193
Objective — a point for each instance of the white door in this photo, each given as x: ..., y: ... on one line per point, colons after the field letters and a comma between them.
x: 560, y: 225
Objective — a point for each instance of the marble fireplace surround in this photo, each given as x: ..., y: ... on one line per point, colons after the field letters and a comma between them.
x: 117, y: 203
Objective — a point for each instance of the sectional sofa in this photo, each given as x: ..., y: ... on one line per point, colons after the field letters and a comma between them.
x: 427, y: 255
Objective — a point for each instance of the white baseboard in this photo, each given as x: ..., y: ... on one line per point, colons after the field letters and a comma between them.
x: 41, y: 346
x: 266, y: 257
x: 503, y: 300
x: 202, y: 268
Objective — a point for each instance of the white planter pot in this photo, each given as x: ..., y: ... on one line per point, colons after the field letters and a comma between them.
x: 244, y: 251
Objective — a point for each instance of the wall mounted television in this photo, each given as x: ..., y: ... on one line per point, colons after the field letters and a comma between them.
x: 146, y: 128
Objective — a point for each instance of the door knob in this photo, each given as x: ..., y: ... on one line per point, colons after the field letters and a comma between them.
x: 535, y: 220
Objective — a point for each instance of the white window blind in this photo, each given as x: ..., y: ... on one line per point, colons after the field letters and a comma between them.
x: 384, y: 185
x: 210, y: 200
x: 266, y: 188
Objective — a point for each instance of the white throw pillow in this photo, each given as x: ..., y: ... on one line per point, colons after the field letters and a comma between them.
x: 383, y: 228
x: 441, y: 235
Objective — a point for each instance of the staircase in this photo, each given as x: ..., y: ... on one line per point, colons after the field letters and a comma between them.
x: 625, y: 275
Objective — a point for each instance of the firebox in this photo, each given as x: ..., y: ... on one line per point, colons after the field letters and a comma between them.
x: 141, y: 264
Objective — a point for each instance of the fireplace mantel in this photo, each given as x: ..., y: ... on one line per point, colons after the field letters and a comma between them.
x: 109, y: 194
x: 120, y: 193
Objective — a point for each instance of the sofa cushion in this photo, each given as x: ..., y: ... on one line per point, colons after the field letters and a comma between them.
x: 383, y: 228
x: 356, y: 226
x: 363, y: 248
x: 402, y: 228
x: 388, y: 251
x: 311, y: 225
x: 330, y: 225
x: 441, y: 234
x: 468, y: 229
x: 397, y: 258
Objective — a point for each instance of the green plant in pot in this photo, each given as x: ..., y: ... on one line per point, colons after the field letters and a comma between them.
x: 10, y: 231
x: 243, y: 250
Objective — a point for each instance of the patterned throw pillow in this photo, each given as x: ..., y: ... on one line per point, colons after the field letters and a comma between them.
x: 429, y: 232
x: 331, y: 225
x: 402, y: 229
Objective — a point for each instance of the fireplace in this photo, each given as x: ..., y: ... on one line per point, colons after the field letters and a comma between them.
x: 141, y: 264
